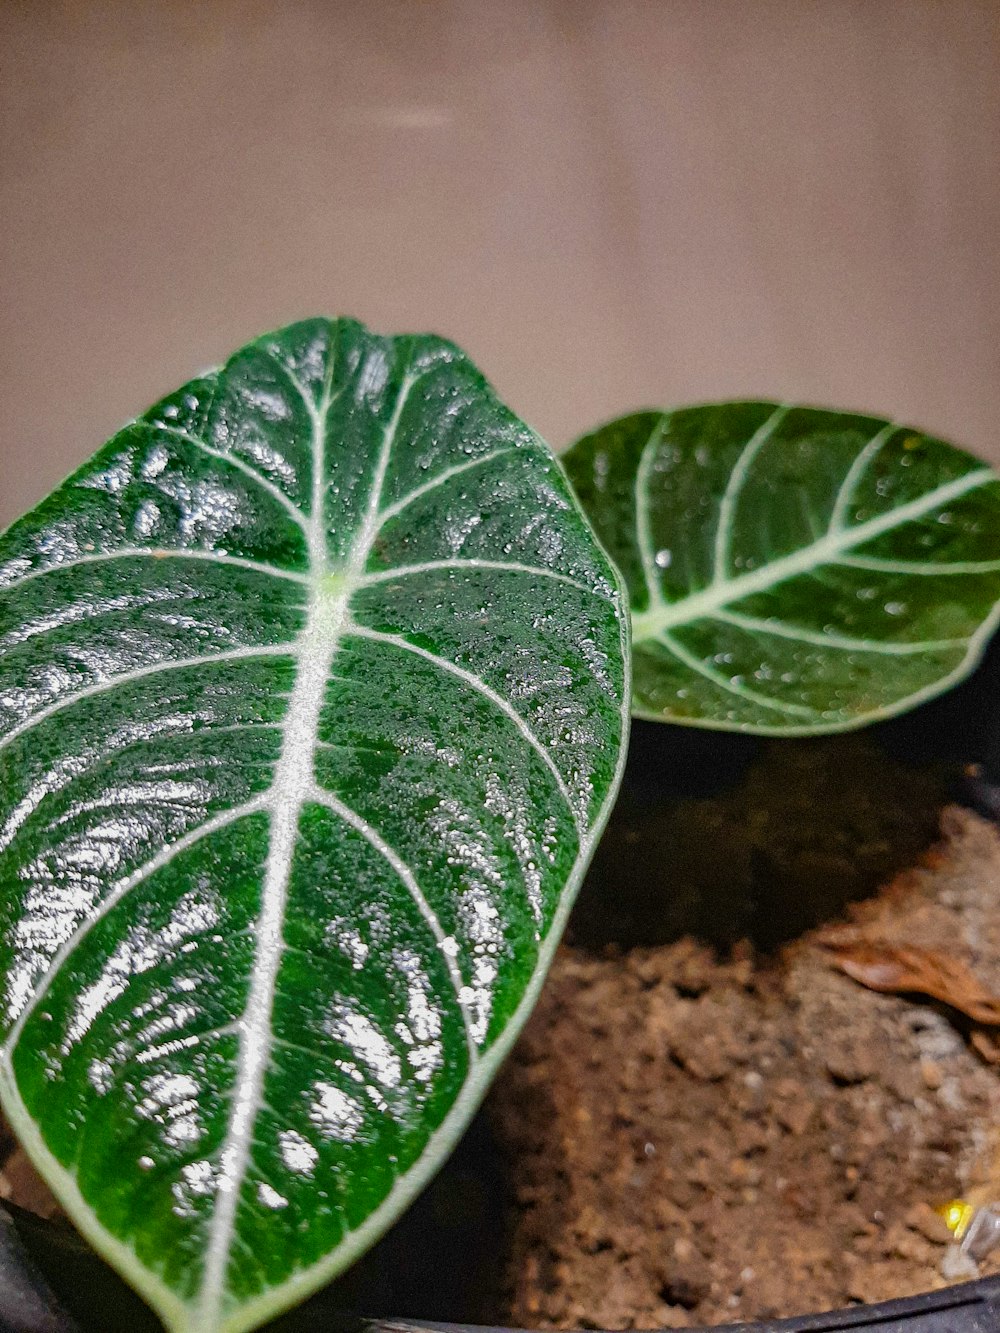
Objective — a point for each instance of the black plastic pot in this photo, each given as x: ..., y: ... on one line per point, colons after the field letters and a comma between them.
x: 28, y: 1303
x: 52, y: 1282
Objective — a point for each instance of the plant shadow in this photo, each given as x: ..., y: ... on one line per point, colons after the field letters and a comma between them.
x: 727, y: 837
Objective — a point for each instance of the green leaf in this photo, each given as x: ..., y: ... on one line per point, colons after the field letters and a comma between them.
x: 313, y: 704
x: 792, y: 571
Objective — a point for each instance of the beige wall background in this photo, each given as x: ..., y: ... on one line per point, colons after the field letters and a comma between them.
x: 608, y: 204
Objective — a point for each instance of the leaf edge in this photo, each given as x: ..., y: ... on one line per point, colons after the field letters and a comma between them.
x: 978, y: 642
x: 179, y: 1316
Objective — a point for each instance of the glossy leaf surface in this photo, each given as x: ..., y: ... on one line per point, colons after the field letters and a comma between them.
x: 312, y: 705
x: 792, y: 570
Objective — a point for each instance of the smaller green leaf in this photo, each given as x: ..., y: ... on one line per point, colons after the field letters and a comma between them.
x: 792, y: 570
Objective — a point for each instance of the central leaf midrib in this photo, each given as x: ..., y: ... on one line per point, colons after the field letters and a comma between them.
x: 293, y: 785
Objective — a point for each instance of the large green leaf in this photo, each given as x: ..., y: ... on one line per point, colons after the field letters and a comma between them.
x: 313, y: 704
x: 792, y: 570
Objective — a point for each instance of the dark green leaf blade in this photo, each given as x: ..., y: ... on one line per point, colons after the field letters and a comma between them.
x: 313, y: 703
x: 792, y: 570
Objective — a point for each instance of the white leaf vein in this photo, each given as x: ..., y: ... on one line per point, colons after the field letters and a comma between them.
x: 404, y: 872
x: 855, y: 472
x: 158, y: 554
x: 734, y: 488
x: 849, y: 643
x: 881, y: 565
x: 441, y: 478
x: 824, y: 551
x: 731, y: 686
x: 315, y: 650
x: 275, y: 492
x: 643, y: 521
x: 480, y: 686
x: 114, y: 896
x: 460, y: 563
x: 115, y: 682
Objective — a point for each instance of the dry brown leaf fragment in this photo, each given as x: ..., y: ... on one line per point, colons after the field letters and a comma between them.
x: 897, y: 969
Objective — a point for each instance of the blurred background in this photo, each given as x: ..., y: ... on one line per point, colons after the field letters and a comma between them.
x: 609, y: 205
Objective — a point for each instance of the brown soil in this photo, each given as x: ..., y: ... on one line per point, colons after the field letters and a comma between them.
x: 695, y: 1141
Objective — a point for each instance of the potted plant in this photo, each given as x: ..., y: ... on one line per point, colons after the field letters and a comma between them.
x: 314, y: 703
